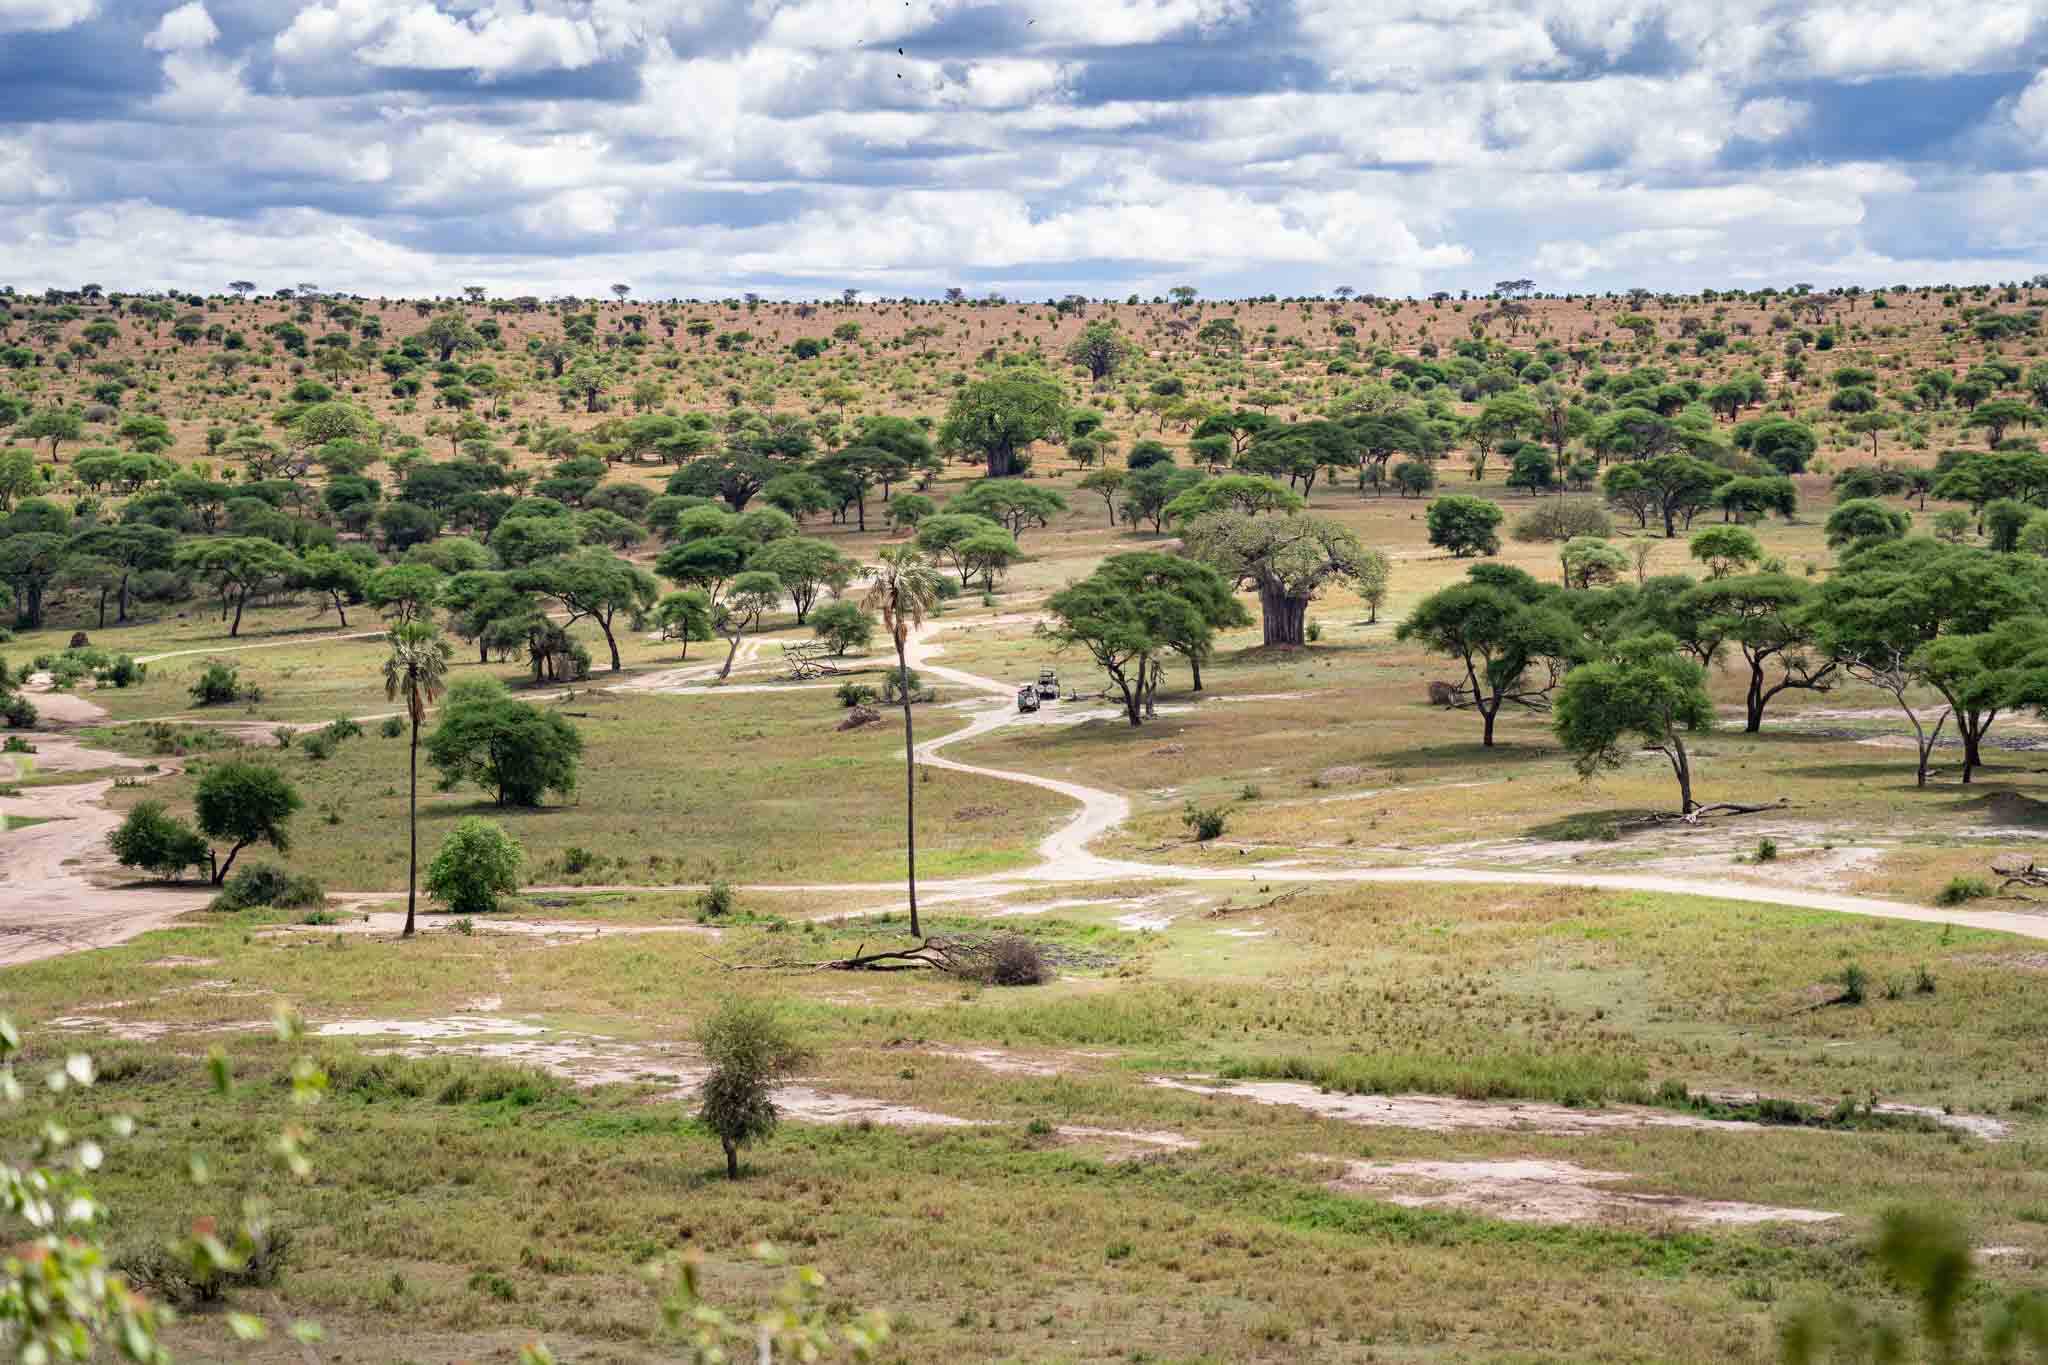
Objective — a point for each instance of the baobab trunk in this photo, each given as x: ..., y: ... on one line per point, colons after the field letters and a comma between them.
x: 1285, y: 616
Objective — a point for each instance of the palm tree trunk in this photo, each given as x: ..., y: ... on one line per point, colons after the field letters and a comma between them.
x: 412, y: 803
x: 909, y: 781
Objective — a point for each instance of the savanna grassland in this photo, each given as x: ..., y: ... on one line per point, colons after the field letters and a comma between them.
x: 1658, y: 1124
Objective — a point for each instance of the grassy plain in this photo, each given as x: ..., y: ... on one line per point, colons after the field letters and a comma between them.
x: 462, y: 1203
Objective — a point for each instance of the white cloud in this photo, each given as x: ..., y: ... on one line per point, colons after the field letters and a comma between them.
x: 1880, y: 39
x: 44, y: 16
x: 507, y: 39
x: 185, y: 29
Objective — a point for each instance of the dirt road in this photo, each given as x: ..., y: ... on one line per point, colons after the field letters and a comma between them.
x: 50, y: 902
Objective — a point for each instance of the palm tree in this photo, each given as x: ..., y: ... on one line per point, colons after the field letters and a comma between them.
x: 416, y: 669
x: 903, y: 587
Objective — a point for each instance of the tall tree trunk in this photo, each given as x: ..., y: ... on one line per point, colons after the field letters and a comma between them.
x: 604, y: 623
x: 732, y: 1159
x: 1755, y: 701
x: 1681, y: 764
x: 240, y: 602
x: 412, y: 806
x: 909, y: 781
x: 1285, y: 618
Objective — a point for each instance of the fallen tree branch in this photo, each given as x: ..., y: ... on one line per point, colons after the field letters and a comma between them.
x: 1692, y: 817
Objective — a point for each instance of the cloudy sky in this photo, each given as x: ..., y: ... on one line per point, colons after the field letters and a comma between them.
x: 794, y: 147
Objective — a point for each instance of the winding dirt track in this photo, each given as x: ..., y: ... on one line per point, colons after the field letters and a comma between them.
x: 49, y: 906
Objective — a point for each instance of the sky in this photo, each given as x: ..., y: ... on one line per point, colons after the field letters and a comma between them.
x: 702, y: 148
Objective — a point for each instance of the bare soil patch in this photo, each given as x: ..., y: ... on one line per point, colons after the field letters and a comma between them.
x: 1536, y: 1191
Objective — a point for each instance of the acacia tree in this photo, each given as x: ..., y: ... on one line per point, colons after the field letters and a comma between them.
x: 238, y: 567
x: 596, y: 585
x: 1288, y: 560
x: 752, y: 595
x: 902, y: 588
x: 1890, y: 601
x: 416, y: 670
x: 1648, y: 690
x: 1766, y: 616
x: 1502, y: 634
x: 806, y: 567
x: 749, y: 1050
x: 1215, y: 606
x: 244, y: 803
x: 1125, y: 627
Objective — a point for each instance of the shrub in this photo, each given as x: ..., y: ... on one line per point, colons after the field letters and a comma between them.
x: 155, y: 841
x: 900, y: 681
x: 1962, y: 889
x: 577, y: 859
x: 319, y: 745
x: 852, y: 694
x: 1014, y: 960
x: 1205, y: 823
x: 717, y: 901
x: 393, y: 727
x: 268, y: 884
x: 477, y: 863
x: 284, y: 735
x: 1855, y: 985
x: 343, y: 727
x: 188, y: 1282
x: 122, y: 672
x: 1767, y: 850
x: 17, y: 744
x: 217, y: 686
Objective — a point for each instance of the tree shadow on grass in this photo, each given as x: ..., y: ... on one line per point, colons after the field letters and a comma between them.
x: 1602, y: 825
x: 1499, y: 761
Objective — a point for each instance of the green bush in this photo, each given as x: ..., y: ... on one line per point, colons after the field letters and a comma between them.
x: 393, y: 727
x: 217, y: 686
x: 718, y: 900
x: 853, y: 694
x: 268, y: 884
x: 1204, y: 822
x: 155, y: 841
x: 478, y: 862
x: 1962, y: 889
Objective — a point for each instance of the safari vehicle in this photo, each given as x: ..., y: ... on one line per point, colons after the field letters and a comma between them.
x: 1048, y: 684
x: 1027, y: 698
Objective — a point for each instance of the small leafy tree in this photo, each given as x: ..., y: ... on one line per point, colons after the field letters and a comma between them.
x: 241, y: 803
x: 1504, y: 633
x: 514, y: 750
x: 477, y: 863
x: 843, y: 625
x: 1648, y: 691
x: 1726, y: 549
x: 752, y: 595
x: 684, y: 616
x: 750, y: 1049
x: 1464, y: 525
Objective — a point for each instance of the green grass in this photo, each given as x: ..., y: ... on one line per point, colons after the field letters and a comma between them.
x: 754, y: 788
